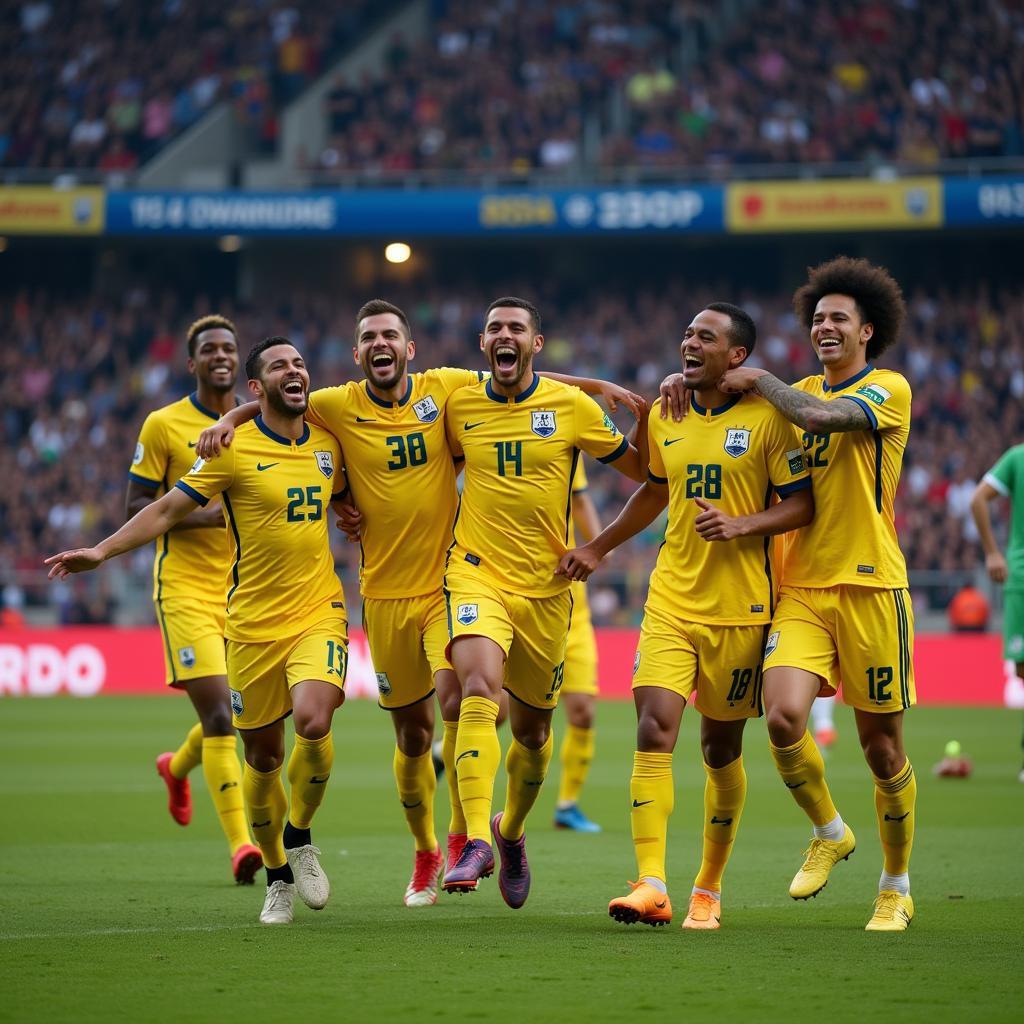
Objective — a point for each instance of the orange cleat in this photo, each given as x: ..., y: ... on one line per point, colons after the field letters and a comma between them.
x: 245, y: 862
x: 704, y: 914
x: 644, y: 904
x: 826, y: 737
x: 179, y: 793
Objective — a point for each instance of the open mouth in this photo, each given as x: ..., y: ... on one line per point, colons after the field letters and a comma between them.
x: 506, y: 357
x: 382, y: 360
x: 294, y: 389
x: 221, y: 372
x: 829, y: 344
x: 692, y: 363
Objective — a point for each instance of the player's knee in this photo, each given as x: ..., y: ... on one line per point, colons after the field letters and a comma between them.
x: 313, y: 723
x: 264, y: 759
x: 653, y: 736
x: 533, y: 734
x: 477, y: 684
x: 720, y: 751
x: 785, y: 726
x: 414, y: 738
x: 217, y: 722
x: 883, y: 754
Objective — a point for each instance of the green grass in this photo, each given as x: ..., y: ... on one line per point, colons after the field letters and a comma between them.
x: 109, y: 911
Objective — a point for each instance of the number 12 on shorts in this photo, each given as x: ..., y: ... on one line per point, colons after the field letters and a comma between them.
x: 880, y: 683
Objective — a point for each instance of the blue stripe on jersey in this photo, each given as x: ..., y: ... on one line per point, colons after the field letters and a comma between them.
x: 620, y: 451
x: 144, y: 480
x: 869, y: 412
x: 785, y: 490
x: 193, y: 493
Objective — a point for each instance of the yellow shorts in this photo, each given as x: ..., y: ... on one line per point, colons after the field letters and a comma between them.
x: 193, y: 633
x: 861, y: 635
x: 407, y: 638
x: 722, y: 663
x: 262, y: 674
x: 580, y: 647
x: 530, y: 630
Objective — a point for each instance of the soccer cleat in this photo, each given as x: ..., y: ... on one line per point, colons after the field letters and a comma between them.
x: 179, y: 792
x: 820, y: 858
x: 245, y: 862
x: 310, y: 881
x: 426, y: 874
x: 704, y: 913
x: 456, y: 843
x: 893, y: 912
x: 514, y: 876
x: 435, y: 756
x: 826, y: 736
x: 278, y: 907
x: 574, y: 819
x: 475, y: 862
x: 644, y: 904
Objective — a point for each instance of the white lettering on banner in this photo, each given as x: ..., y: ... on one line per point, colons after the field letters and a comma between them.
x: 636, y: 209
x: 233, y: 213
x: 42, y: 670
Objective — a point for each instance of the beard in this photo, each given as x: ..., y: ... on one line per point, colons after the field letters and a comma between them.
x: 397, y: 374
x: 277, y: 402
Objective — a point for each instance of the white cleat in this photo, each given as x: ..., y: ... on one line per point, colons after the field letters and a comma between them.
x: 426, y: 876
x: 310, y: 881
x: 278, y: 906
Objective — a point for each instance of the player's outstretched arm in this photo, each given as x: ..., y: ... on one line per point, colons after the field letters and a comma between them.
x: 790, y: 513
x: 995, y: 562
x: 147, y: 525
x: 798, y: 407
x: 222, y: 433
x: 613, y: 395
x: 639, y: 512
x: 139, y: 496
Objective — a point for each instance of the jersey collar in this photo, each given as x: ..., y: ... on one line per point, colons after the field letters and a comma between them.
x: 698, y: 408
x: 849, y: 380
x: 287, y: 441
x: 495, y: 397
x: 387, y: 405
x: 194, y: 399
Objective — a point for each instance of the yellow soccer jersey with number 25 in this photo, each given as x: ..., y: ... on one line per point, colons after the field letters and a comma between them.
x: 276, y: 495
x: 513, y: 519
x: 735, y: 458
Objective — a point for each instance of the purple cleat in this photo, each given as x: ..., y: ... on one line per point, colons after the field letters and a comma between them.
x: 475, y: 862
x: 514, y: 876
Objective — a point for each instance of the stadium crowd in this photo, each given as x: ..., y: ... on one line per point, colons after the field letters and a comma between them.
x: 79, y: 376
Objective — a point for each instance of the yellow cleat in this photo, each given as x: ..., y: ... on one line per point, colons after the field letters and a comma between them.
x: 821, y: 857
x: 644, y: 904
x: 893, y: 912
x: 705, y: 913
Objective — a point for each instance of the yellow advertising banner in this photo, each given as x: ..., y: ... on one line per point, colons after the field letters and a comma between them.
x: 832, y: 205
x: 42, y: 210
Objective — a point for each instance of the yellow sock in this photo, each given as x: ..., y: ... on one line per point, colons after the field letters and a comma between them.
x: 803, y: 772
x: 309, y: 768
x: 266, y: 804
x: 526, y: 769
x: 189, y: 754
x: 654, y: 797
x: 725, y: 792
x: 576, y: 753
x: 477, y: 753
x: 223, y: 779
x: 894, y: 801
x: 417, y: 784
x: 457, y: 824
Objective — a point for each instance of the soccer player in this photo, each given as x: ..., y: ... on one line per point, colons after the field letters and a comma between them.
x: 286, y: 633
x: 509, y: 613
x: 1008, y: 570
x: 579, y: 689
x: 844, y: 610
x: 189, y: 587
x: 709, y: 604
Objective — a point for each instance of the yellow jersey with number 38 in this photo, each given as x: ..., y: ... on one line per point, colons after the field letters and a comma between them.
x: 276, y: 494
x: 852, y: 539
x: 521, y: 453
x: 735, y: 457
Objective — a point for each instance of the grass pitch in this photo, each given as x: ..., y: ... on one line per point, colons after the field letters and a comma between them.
x: 110, y: 911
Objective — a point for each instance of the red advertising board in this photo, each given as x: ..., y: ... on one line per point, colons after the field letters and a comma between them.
x: 951, y: 669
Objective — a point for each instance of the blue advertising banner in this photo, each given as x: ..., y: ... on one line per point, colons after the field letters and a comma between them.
x: 984, y: 202
x: 387, y: 213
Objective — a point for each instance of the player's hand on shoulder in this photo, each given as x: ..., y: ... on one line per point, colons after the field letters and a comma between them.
x: 713, y: 524
x: 675, y: 397
x: 349, y: 521
x: 213, y: 439
x: 996, y: 567
x: 578, y: 563
x: 614, y: 395
x: 68, y: 562
x: 740, y: 379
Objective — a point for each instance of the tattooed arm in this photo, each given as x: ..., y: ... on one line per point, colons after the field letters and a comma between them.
x: 798, y: 407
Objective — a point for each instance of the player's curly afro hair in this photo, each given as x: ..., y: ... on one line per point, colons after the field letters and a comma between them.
x: 207, y: 323
x: 877, y: 295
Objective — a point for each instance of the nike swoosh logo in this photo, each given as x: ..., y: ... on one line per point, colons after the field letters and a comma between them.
x: 467, y: 753
x: 228, y: 785
x: 318, y: 782
x: 269, y: 465
x: 796, y: 785
x: 667, y: 442
x: 365, y: 419
x: 192, y: 444
x: 539, y: 782
x: 642, y: 803
x: 473, y: 426
x: 261, y: 824
x: 661, y: 905
x: 409, y: 807
x: 899, y: 817
x: 720, y: 821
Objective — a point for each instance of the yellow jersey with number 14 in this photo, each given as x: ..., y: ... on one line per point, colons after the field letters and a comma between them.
x: 276, y: 495
x: 521, y: 455
x: 852, y: 539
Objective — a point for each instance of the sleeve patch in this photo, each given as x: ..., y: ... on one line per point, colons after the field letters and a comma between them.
x: 875, y: 393
x: 197, y: 465
x: 140, y: 451
x: 795, y: 458
x: 611, y: 425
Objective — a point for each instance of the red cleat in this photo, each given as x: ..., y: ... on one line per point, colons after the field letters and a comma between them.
x: 245, y: 862
x: 179, y: 792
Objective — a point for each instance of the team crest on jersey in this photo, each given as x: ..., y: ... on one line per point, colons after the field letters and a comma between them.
x: 426, y: 410
x: 236, y: 702
x: 383, y: 684
x: 636, y: 662
x: 737, y: 441
x: 187, y: 656
x: 325, y: 462
x: 467, y: 614
x: 542, y: 422
x: 140, y: 450
x: 197, y: 465
x: 773, y: 642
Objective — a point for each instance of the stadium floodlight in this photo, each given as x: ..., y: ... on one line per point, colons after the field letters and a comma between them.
x: 397, y: 252
x: 229, y: 243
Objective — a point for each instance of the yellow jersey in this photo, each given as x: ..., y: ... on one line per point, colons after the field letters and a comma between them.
x: 580, y: 606
x: 736, y: 457
x: 189, y: 563
x: 521, y: 453
x: 400, y: 471
x: 276, y: 494
x: 853, y: 536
